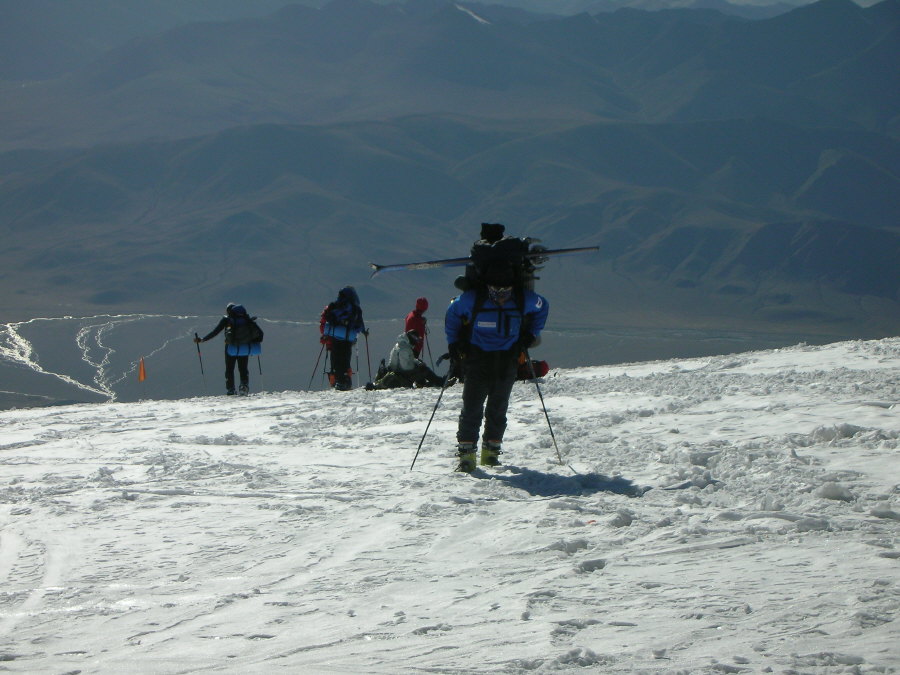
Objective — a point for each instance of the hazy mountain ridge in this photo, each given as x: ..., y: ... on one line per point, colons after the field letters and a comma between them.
x: 747, y: 10
x: 42, y: 39
x: 716, y: 192
x: 264, y: 212
x: 352, y: 61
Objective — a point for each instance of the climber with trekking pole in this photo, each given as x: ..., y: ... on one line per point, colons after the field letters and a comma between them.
x: 497, y: 317
x: 487, y: 327
x: 339, y: 325
x: 243, y: 338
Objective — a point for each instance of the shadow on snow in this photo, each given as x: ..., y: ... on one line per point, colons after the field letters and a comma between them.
x: 542, y: 484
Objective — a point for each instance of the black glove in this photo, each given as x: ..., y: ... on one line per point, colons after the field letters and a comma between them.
x: 526, y: 340
x: 457, y: 351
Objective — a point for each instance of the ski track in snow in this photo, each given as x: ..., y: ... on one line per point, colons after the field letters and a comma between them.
x: 284, y: 532
x: 89, y: 341
x: 18, y: 350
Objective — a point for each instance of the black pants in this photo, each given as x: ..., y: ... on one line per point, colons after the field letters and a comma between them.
x: 243, y: 371
x: 341, y: 351
x: 489, y: 377
x: 424, y: 376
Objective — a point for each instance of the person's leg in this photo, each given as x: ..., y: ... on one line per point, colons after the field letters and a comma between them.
x: 504, y: 377
x: 340, y: 362
x: 475, y: 391
x: 432, y: 378
x: 229, y: 373
x: 244, y: 372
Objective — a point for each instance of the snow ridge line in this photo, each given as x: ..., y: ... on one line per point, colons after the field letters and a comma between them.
x: 16, y: 349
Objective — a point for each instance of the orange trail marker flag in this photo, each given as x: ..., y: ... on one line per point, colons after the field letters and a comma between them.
x: 142, y: 373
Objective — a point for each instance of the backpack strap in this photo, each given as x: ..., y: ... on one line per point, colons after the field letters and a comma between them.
x: 519, y: 295
x: 481, y: 296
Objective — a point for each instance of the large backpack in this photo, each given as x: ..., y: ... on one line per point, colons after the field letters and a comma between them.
x: 339, y: 313
x: 503, y: 262
x: 242, y: 329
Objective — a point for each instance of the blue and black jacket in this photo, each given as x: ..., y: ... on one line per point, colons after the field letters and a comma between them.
x: 480, y: 322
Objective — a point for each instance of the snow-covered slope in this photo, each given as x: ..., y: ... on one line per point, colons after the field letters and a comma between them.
x: 284, y: 532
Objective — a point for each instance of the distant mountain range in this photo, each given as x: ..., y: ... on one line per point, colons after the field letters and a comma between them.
x: 827, y: 64
x: 734, y: 172
x: 41, y: 39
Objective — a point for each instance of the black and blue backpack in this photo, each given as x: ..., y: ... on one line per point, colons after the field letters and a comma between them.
x: 242, y: 329
x: 498, y: 260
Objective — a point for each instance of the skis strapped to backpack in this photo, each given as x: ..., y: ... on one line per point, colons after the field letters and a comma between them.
x: 535, y: 255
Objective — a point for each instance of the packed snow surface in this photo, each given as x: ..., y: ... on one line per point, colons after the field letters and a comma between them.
x: 730, y: 514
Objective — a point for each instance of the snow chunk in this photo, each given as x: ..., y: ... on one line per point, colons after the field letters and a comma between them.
x: 440, y: 628
x: 834, y: 433
x: 830, y: 659
x: 568, y: 547
x: 569, y: 626
x: 588, y: 566
x: 884, y: 510
x: 226, y: 439
x: 811, y: 524
x: 836, y: 492
x: 770, y: 503
x: 583, y: 657
x: 623, y: 518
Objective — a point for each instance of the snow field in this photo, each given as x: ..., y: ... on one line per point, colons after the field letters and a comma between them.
x: 728, y: 514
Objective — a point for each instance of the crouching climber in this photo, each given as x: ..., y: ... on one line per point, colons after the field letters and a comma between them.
x: 403, y: 369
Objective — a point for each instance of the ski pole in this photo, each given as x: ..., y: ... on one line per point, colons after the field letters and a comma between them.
x: 262, y: 382
x: 428, y: 348
x: 200, y: 356
x: 541, y: 396
x: 315, y: 368
x: 428, y: 426
x: 368, y: 358
x: 327, y: 367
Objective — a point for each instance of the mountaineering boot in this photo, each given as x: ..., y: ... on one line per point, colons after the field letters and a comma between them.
x: 490, y: 453
x: 466, y: 454
x: 229, y: 391
x: 244, y: 390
